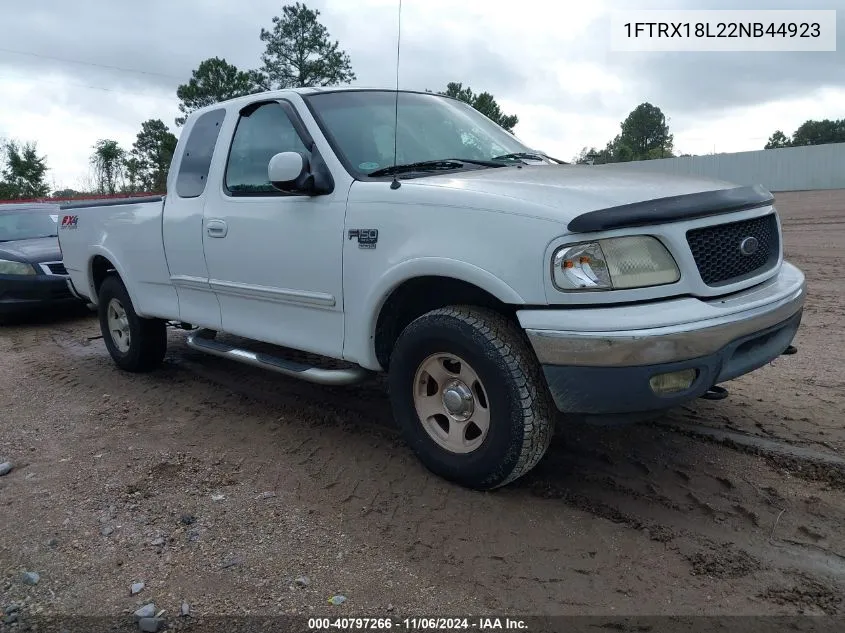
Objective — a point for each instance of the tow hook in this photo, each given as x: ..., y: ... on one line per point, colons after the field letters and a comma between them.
x: 720, y: 393
x: 715, y: 393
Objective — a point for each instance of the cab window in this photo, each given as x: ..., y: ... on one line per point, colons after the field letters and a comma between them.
x: 259, y: 136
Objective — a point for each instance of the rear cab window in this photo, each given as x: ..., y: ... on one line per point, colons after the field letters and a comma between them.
x: 199, y: 150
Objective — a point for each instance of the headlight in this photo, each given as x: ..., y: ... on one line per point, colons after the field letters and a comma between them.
x: 636, y: 261
x: 15, y: 268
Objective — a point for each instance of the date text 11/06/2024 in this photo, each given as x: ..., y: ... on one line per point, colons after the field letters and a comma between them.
x: 416, y: 624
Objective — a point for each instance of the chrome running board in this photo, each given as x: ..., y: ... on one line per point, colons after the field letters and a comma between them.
x: 203, y: 340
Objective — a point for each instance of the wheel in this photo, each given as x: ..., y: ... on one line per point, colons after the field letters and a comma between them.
x: 135, y: 344
x: 469, y: 398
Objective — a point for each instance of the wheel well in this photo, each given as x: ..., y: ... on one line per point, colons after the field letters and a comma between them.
x: 100, y: 269
x: 417, y: 296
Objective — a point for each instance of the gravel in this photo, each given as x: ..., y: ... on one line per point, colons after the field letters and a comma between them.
x: 150, y: 625
x: 147, y: 611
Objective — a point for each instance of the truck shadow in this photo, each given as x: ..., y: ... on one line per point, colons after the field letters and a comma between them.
x: 673, y: 488
x: 633, y: 473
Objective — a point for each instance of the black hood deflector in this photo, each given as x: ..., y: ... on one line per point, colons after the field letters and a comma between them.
x: 672, y: 209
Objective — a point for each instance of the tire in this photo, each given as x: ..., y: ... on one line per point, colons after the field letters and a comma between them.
x: 147, y: 338
x: 507, y: 389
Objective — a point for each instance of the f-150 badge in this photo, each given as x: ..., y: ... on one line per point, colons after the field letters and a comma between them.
x: 367, y: 238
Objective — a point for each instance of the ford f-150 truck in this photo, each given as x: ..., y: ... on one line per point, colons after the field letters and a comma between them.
x: 406, y: 233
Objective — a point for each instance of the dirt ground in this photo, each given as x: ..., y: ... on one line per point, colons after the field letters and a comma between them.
x: 219, y: 485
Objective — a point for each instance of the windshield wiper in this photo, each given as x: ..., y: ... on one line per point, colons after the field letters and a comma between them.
x: 520, y: 155
x: 528, y: 156
x: 443, y: 164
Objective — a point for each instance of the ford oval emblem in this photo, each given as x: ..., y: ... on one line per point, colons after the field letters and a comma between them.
x: 749, y: 246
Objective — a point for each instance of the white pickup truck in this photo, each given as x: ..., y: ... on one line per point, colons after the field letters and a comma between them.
x: 491, y: 283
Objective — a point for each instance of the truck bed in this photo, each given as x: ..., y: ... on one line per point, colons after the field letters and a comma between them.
x: 109, y: 202
x: 95, y: 236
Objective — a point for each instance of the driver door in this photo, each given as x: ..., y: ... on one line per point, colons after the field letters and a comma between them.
x: 274, y: 258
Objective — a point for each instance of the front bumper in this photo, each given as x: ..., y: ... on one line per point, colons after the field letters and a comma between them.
x: 600, y: 360
x: 23, y: 293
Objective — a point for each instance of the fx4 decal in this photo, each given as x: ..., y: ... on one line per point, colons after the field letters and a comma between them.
x: 69, y: 221
x: 367, y: 238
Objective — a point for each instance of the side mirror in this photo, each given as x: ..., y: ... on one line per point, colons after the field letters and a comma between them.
x: 286, y: 169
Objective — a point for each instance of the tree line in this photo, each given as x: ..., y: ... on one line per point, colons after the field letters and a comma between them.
x: 810, y: 133
x: 298, y: 52
x: 643, y: 135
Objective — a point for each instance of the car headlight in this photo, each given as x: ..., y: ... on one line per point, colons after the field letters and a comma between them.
x: 8, y: 267
x: 635, y: 261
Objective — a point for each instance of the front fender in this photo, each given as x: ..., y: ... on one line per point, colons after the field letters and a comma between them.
x: 363, y: 349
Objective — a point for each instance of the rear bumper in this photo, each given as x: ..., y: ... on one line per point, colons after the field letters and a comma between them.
x: 23, y: 293
x: 607, y: 371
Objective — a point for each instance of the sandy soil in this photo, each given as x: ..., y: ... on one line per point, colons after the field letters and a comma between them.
x: 219, y: 485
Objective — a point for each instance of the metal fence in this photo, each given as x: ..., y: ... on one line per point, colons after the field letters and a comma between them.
x: 804, y: 168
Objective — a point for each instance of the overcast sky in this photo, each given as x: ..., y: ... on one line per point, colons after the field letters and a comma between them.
x: 75, y: 72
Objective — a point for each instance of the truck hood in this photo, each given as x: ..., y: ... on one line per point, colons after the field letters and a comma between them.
x: 563, y: 192
x: 42, y: 249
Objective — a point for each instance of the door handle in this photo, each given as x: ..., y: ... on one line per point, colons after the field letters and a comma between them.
x: 216, y: 228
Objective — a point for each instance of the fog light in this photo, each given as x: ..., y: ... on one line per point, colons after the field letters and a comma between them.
x: 674, y: 381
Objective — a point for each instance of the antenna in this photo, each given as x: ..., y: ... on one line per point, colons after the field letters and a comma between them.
x: 396, y: 184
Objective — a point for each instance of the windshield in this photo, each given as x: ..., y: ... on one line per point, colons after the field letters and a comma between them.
x: 27, y: 225
x: 360, y: 124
